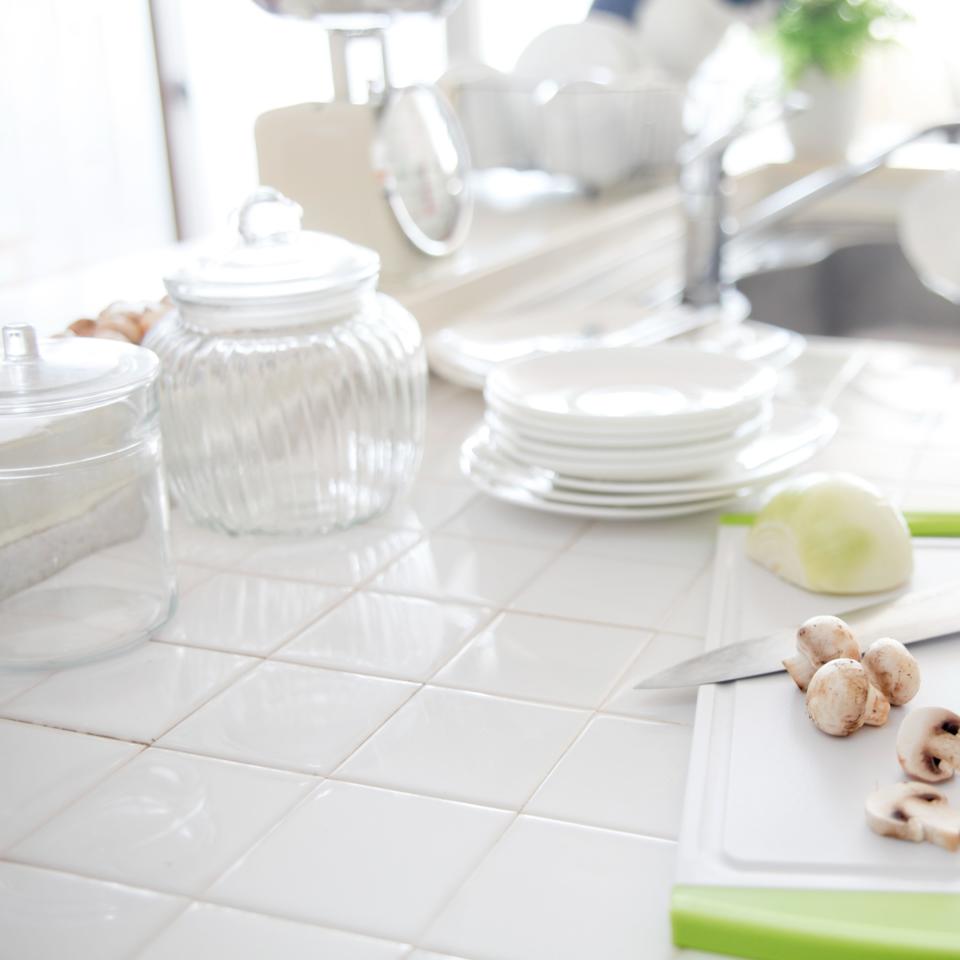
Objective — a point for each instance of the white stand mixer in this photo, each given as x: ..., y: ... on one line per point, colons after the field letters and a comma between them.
x: 389, y: 172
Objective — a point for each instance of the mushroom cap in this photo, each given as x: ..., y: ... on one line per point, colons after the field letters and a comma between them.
x: 928, y: 744
x: 913, y: 811
x: 837, y: 697
x: 893, y: 670
x: 821, y: 639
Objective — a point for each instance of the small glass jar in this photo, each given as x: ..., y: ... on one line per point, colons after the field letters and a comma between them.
x: 85, y: 564
x: 293, y: 395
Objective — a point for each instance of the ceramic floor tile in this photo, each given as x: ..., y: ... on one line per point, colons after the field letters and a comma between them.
x: 44, y: 769
x: 246, y: 614
x: 441, y: 454
x: 384, y: 634
x: 135, y: 695
x: 539, y: 658
x: 206, y: 932
x: 862, y: 419
x: 191, y: 543
x: 921, y: 495
x: 623, y: 774
x: 691, y: 610
x: 878, y: 462
x: 685, y: 541
x: 628, y: 593
x: 562, y: 892
x: 190, y: 575
x: 489, y: 519
x: 675, y: 706
x: 46, y: 915
x: 345, y: 558
x: 13, y: 682
x: 426, y: 506
x: 165, y: 821
x: 290, y: 716
x: 451, y: 568
x: 466, y: 746
x: 372, y: 861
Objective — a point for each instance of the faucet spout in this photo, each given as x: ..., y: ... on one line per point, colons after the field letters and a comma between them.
x: 709, y: 227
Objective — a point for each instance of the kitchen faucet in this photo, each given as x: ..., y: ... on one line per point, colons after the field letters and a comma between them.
x: 709, y: 226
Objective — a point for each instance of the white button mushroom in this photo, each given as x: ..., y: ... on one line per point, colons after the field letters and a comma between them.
x: 914, y: 811
x: 840, y: 699
x: 819, y: 640
x: 893, y: 670
x: 928, y: 744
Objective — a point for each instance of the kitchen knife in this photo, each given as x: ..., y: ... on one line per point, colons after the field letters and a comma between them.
x: 909, y: 618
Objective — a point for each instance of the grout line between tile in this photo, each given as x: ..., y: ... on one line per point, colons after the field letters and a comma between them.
x: 80, y: 796
x: 145, y: 942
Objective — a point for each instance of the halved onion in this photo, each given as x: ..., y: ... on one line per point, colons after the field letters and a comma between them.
x: 833, y: 533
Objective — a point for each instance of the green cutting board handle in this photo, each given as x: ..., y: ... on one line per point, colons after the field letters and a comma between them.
x: 778, y: 924
x: 920, y: 524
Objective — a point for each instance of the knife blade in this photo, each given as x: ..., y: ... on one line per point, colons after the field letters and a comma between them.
x: 909, y: 618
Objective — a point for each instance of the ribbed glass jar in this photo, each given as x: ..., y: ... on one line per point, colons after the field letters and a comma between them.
x: 299, y: 429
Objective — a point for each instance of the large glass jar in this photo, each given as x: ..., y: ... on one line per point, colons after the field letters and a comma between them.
x: 85, y: 565
x: 293, y: 395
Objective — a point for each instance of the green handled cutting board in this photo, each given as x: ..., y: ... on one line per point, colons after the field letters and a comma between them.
x: 776, y: 861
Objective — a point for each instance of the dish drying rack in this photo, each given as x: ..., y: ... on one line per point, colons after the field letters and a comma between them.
x: 597, y: 132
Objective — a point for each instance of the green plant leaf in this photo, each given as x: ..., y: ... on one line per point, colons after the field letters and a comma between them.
x: 831, y: 35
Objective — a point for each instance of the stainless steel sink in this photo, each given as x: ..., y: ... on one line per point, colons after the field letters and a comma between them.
x: 849, y: 282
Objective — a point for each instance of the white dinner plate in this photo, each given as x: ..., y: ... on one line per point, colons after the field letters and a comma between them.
x: 796, y: 433
x: 524, y: 498
x: 928, y: 229
x: 631, y: 388
x: 541, y: 452
x: 545, y: 489
x: 659, y: 465
x: 659, y: 435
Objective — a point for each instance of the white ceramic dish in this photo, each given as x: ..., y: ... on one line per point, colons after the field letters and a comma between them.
x: 525, y: 498
x: 500, y: 422
x: 929, y: 231
x: 532, y: 449
x: 690, y: 463
x: 796, y: 433
x: 465, y: 353
x: 578, y: 51
x: 754, y: 340
x: 630, y: 387
x: 501, y: 474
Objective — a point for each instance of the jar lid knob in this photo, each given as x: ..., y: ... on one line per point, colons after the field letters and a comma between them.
x: 268, y: 216
x: 20, y: 342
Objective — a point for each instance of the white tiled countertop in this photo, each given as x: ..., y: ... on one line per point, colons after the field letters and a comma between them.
x: 415, y: 739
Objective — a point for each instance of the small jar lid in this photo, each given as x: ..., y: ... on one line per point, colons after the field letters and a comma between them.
x: 72, y: 372
x: 275, y: 262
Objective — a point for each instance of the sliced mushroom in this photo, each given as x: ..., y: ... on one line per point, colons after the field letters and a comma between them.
x: 914, y: 811
x: 893, y: 670
x: 928, y: 744
x: 841, y: 699
x: 820, y: 640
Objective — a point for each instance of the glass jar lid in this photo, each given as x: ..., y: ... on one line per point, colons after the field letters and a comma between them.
x: 274, y: 261
x: 72, y: 372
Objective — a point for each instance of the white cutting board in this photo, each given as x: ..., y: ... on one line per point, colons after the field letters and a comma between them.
x: 773, y: 802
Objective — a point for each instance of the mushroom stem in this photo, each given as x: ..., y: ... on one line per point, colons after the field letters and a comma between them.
x: 945, y: 746
x: 800, y: 669
x: 878, y: 708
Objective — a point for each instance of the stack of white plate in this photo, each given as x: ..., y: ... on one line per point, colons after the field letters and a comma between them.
x: 636, y: 432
